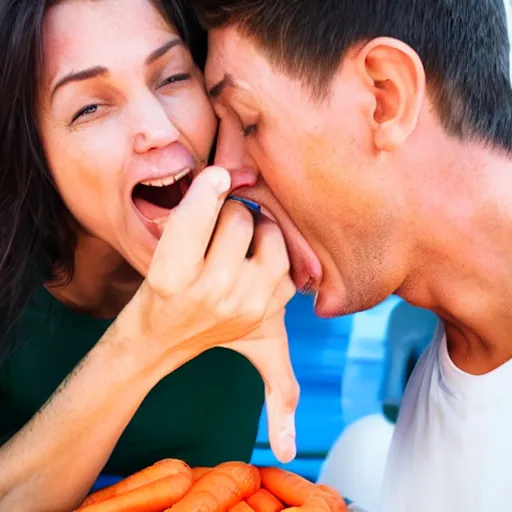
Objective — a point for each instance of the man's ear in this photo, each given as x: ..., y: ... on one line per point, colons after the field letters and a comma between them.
x: 396, y: 76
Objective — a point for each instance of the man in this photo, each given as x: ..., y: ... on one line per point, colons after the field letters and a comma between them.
x: 384, y: 130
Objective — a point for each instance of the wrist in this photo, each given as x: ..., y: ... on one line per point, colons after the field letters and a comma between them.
x: 138, y: 356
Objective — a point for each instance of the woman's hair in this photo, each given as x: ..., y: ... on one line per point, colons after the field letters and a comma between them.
x: 37, y: 240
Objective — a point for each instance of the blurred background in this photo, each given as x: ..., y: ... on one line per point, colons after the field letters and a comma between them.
x: 352, y: 372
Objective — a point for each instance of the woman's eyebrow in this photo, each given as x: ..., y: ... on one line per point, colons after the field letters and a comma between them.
x: 79, y: 76
x: 96, y: 71
x: 160, y: 52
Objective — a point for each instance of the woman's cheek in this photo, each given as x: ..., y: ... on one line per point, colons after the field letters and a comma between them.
x: 193, y: 115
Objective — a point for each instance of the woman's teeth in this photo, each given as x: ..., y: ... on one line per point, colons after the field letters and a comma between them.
x: 165, y: 182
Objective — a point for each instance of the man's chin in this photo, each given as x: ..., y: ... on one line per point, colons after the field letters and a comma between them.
x: 330, y: 303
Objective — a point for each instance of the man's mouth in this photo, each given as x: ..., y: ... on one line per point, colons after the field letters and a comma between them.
x: 155, y: 198
x: 306, y: 270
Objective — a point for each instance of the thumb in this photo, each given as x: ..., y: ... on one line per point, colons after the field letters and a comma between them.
x: 271, y: 357
x: 190, y: 227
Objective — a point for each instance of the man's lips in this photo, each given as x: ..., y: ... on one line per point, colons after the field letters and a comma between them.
x: 306, y: 270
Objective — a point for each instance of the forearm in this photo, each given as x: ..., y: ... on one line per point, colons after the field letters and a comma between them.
x: 53, y: 461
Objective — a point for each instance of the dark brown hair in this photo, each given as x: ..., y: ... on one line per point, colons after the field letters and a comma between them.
x: 463, y: 44
x: 37, y: 239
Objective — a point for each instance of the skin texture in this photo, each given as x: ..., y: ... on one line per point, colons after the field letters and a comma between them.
x: 181, y: 286
x: 138, y: 123
x: 389, y: 202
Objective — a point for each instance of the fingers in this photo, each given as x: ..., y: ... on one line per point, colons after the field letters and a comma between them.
x: 269, y: 248
x: 282, y: 396
x: 179, y: 257
x: 271, y: 357
x: 228, y: 249
x: 271, y: 266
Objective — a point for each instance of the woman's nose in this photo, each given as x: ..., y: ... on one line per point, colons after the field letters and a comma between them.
x: 153, y: 127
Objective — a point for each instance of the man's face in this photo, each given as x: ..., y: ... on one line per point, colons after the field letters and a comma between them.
x: 318, y: 159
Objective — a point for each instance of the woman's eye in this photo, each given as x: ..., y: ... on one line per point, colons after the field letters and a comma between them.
x: 250, y: 130
x: 86, y: 111
x: 181, y: 77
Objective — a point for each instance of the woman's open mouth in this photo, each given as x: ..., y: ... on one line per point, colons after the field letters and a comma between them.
x: 155, y: 198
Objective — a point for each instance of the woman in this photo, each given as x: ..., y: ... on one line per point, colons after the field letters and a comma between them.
x: 103, y: 123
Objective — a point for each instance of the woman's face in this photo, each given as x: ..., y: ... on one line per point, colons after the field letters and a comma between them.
x: 123, y: 114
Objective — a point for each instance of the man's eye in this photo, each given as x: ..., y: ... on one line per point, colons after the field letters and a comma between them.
x: 86, y: 111
x: 181, y: 77
x: 250, y: 130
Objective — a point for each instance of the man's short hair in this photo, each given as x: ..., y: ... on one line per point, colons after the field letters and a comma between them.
x: 463, y: 45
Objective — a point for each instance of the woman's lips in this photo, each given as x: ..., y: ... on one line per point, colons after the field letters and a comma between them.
x: 306, y: 270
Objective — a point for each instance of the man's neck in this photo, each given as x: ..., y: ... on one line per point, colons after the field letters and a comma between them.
x: 463, y: 263
x: 102, y: 283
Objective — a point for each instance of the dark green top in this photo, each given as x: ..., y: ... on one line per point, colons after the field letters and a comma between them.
x: 205, y: 413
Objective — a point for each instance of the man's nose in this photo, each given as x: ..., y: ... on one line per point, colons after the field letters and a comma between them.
x: 153, y: 128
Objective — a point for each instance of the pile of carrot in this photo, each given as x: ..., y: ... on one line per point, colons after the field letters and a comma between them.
x: 172, y: 486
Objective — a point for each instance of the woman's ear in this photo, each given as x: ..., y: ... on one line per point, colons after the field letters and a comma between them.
x: 396, y: 76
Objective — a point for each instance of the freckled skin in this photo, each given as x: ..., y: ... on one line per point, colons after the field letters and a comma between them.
x: 139, y: 117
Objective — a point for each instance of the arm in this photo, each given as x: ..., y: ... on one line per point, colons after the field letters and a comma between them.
x: 206, y: 294
x: 58, y: 455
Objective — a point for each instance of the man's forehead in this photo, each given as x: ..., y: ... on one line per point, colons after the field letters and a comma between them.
x: 217, y: 64
x: 234, y: 62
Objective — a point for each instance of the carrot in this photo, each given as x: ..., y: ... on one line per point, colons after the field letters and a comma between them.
x: 333, y: 498
x: 198, y: 473
x: 291, y: 489
x: 263, y: 501
x: 241, y: 507
x: 153, y: 497
x: 161, y: 469
x: 313, y: 504
x: 295, y: 490
x: 220, y: 489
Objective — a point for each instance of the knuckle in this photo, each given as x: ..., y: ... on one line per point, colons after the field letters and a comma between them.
x: 225, y: 309
x: 237, y: 212
x: 220, y: 281
x: 212, y: 291
x: 255, y: 309
x: 239, y: 218
x: 198, y: 296
x: 282, y: 262
x: 291, y: 394
x: 157, y: 285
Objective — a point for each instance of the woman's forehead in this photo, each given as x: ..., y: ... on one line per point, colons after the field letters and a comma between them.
x: 83, y: 34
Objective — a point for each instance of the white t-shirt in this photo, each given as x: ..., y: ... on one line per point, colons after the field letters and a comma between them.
x: 452, y: 447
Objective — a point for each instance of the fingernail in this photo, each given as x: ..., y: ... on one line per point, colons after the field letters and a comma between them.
x: 220, y: 179
x: 288, y: 447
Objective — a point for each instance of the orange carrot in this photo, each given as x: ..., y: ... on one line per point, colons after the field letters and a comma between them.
x: 333, y: 498
x: 153, y: 497
x: 263, y: 501
x: 314, y: 504
x: 241, y: 507
x: 161, y: 469
x: 198, y: 473
x: 221, y: 489
x: 295, y: 490
x: 291, y: 489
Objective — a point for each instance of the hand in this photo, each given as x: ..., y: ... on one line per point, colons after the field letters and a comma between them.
x: 202, y: 291
x: 267, y: 349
